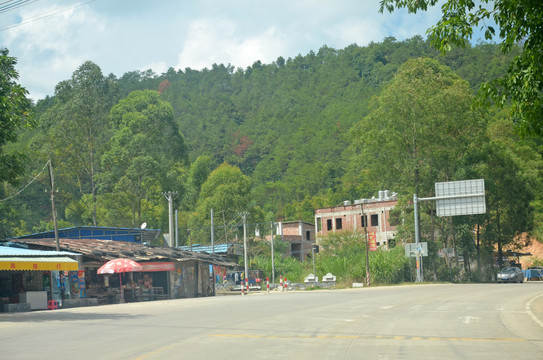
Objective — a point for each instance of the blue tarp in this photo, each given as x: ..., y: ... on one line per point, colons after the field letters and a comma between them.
x: 533, y: 273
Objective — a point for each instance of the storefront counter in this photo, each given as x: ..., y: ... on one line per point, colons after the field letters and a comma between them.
x: 36, y: 299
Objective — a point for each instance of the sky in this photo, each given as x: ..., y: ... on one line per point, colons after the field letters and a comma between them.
x: 52, y: 38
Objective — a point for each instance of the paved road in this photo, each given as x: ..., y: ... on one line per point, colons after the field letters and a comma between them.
x: 482, y: 321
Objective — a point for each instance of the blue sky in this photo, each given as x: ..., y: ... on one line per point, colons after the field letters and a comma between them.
x: 51, y: 38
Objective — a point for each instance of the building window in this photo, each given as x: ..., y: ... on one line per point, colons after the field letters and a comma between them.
x: 375, y: 220
x: 308, y: 235
x: 338, y: 224
x: 329, y: 224
x: 364, y: 220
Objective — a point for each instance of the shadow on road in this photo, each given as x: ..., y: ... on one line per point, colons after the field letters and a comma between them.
x: 44, y: 316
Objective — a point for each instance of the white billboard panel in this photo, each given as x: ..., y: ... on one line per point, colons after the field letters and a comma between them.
x: 460, y: 197
x: 411, y: 249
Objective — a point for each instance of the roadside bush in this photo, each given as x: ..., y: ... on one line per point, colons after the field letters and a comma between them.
x: 344, y: 255
x: 284, y: 266
x: 389, y: 266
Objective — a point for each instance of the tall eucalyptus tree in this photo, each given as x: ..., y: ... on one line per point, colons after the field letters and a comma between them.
x: 76, y: 129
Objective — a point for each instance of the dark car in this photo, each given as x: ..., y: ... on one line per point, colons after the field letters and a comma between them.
x: 510, y: 274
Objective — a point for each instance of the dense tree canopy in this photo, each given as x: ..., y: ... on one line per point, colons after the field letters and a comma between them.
x: 76, y: 129
x: 226, y: 191
x: 15, y: 114
x: 143, y: 153
x: 283, y: 128
x: 419, y: 128
x: 519, y: 22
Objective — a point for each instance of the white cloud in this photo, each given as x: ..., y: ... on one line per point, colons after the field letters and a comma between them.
x: 184, y: 34
x: 361, y: 32
x: 50, y: 49
x: 158, y: 67
x: 212, y: 41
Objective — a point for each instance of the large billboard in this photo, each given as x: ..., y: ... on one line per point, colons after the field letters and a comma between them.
x: 460, y: 197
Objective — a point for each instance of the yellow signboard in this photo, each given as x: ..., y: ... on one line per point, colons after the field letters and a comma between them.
x: 38, y: 264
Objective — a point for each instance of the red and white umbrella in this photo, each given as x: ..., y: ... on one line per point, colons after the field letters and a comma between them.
x: 120, y: 266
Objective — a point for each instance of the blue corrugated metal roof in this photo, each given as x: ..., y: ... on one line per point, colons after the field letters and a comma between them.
x: 6, y: 251
x: 98, y: 232
x: 219, y: 248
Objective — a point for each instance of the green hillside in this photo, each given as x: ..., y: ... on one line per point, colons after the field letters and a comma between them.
x: 288, y: 126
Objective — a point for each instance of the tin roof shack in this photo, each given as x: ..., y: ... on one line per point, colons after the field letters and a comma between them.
x: 299, y: 234
x: 25, y: 276
x: 167, y: 273
x: 372, y: 214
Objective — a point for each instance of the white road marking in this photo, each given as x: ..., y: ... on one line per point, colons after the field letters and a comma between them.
x: 470, y: 319
x: 531, y: 314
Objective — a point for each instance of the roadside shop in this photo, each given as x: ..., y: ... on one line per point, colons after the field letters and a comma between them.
x: 30, y: 278
x: 167, y: 273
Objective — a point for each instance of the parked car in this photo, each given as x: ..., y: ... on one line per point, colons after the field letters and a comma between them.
x: 511, y: 274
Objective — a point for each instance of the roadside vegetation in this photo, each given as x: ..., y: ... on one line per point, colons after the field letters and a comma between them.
x: 280, y: 140
x: 342, y: 255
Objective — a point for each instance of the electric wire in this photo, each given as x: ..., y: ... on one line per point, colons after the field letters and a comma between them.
x: 30, y: 183
x: 47, y: 14
x: 14, y: 4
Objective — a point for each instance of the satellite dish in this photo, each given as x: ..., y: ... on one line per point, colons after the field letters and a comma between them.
x: 143, y: 226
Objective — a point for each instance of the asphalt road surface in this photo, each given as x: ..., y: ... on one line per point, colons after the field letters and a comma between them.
x: 480, y: 321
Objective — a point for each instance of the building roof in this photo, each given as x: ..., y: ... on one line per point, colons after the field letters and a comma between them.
x: 296, y: 222
x: 6, y: 251
x: 384, y: 196
x: 109, y: 250
x: 235, y: 249
x: 98, y: 232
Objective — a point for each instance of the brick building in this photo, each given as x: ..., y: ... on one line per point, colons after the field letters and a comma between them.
x: 299, y: 234
x: 372, y: 214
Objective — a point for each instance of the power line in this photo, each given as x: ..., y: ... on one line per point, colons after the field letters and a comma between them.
x: 23, y: 189
x: 14, y: 4
x: 47, y: 14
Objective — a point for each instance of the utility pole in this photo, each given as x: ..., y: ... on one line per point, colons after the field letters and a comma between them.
x: 313, y: 256
x: 52, y: 182
x: 213, y: 235
x: 176, y: 230
x: 417, y: 237
x: 169, y: 196
x: 273, y: 259
x: 365, y: 220
x: 244, y: 216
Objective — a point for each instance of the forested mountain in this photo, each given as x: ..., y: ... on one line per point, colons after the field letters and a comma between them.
x: 288, y: 126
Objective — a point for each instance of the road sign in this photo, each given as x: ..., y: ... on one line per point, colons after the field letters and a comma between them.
x: 460, y: 197
x: 411, y: 249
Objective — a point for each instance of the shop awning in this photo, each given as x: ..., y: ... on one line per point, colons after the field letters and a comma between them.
x: 38, y: 263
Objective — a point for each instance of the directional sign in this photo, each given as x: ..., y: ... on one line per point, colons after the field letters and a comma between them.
x: 460, y: 197
x: 411, y: 249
